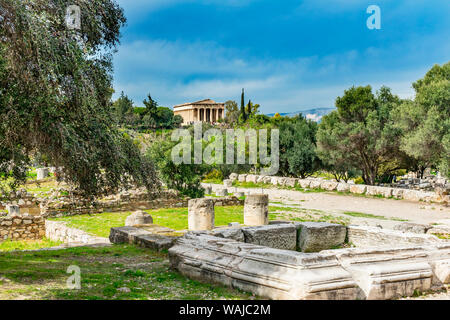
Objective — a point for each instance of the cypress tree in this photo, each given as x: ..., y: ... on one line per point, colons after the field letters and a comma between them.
x: 244, y: 115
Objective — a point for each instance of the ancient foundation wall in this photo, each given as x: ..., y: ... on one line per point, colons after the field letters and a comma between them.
x: 22, y: 227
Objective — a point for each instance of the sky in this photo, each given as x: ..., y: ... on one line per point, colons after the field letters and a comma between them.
x: 289, y: 55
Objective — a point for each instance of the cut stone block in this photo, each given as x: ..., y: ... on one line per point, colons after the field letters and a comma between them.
x: 291, y: 182
x: 318, y: 236
x: 251, y: 178
x: 241, y: 177
x: 266, y: 272
x: 282, y: 236
x: 329, y: 185
x: 315, y: 184
x: 229, y: 233
x: 343, y: 187
x: 221, y: 192
x: 412, y: 227
x: 208, y: 190
x: 142, y: 237
x: 397, y: 193
x: 365, y: 236
x: 228, y: 183
x: 304, y: 183
x: 358, y: 188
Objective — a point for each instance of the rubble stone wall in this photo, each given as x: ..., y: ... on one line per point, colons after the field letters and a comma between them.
x: 22, y: 227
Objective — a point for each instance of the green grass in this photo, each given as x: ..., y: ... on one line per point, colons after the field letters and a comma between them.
x: 213, y: 181
x: 147, y: 274
x: 175, y: 218
x: 371, y: 216
x: 10, y: 245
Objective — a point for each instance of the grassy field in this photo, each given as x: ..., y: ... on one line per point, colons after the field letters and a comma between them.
x: 117, y: 272
x: 175, y: 218
x: 10, y: 245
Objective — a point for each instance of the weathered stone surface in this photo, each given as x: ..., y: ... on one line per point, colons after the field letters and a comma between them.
x: 274, y: 181
x: 208, y: 190
x: 315, y: 184
x: 290, y: 182
x: 393, y: 272
x: 411, y: 195
x: 221, y: 192
x: 412, y: 227
x: 229, y: 233
x: 343, y: 187
x: 59, y: 231
x: 13, y: 210
x: 397, y: 193
x: 364, y: 236
x: 228, y: 183
x: 304, y: 183
x: 384, y: 191
x: 239, y: 194
x: 233, y: 177
x: 267, y: 179
x: 371, y: 190
x: 251, y: 178
x: 142, y: 237
x: 358, y: 188
x: 42, y: 173
x: 138, y: 218
x: 318, y: 236
x: 241, y: 177
x: 269, y: 273
x: 201, y: 214
x: 282, y: 236
x: 256, y: 210
x: 329, y: 185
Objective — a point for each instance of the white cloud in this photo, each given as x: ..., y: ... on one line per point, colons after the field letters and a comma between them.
x: 178, y: 72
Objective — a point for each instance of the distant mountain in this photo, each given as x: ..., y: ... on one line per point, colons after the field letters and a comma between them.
x: 315, y: 114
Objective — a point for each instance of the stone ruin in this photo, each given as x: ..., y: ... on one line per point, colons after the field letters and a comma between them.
x: 299, y: 260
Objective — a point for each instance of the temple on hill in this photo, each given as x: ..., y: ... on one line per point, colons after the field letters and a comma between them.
x: 200, y: 111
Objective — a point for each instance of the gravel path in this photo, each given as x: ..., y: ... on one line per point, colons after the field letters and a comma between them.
x: 335, y: 204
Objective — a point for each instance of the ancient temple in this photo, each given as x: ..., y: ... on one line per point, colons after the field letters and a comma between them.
x: 200, y: 111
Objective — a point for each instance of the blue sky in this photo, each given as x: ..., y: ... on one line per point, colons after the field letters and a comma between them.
x: 289, y: 55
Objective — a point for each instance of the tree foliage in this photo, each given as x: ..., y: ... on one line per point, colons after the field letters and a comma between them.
x: 55, y: 91
x: 361, y: 133
x: 425, y: 121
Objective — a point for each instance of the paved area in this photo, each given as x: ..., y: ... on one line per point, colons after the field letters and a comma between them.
x: 335, y: 204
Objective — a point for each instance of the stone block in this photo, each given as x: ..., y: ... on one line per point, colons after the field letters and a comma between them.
x: 358, y: 188
x: 229, y: 233
x: 329, y: 185
x: 343, y: 187
x: 315, y: 184
x: 412, y: 227
x: 241, y: 177
x: 138, y: 218
x: 282, y: 236
x: 251, y: 178
x: 42, y: 173
x: 290, y: 182
x: 304, y: 183
x: 318, y: 236
x: 233, y: 177
x: 227, y: 183
x: 221, y: 192
x: 397, y: 193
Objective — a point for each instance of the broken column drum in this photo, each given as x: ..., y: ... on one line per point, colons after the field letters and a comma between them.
x: 256, y: 210
x: 201, y: 214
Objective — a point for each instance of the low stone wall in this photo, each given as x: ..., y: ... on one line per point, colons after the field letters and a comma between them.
x: 376, y: 273
x: 59, y: 231
x: 22, y: 227
x: 329, y: 185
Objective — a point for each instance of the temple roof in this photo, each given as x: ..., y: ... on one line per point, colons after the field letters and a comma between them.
x: 201, y: 102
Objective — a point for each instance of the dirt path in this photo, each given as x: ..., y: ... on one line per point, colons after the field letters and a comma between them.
x: 391, y: 209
